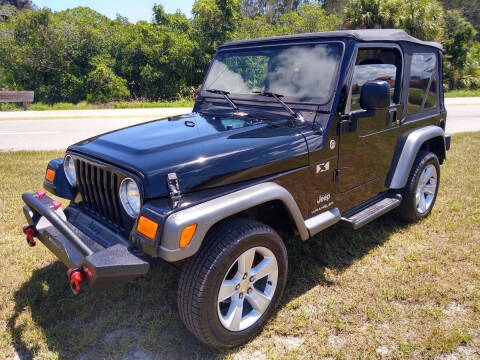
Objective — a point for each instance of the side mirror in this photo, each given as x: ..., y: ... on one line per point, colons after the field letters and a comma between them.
x: 375, y: 95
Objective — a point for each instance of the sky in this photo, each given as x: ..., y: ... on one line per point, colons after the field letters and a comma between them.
x: 133, y: 10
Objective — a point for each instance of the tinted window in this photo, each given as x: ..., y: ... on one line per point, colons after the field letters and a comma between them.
x: 423, y: 83
x: 376, y: 64
x: 295, y: 71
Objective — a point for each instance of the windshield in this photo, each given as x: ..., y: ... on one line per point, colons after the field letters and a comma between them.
x: 302, y: 72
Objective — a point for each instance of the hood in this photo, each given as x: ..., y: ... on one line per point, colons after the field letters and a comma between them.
x: 204, y: 151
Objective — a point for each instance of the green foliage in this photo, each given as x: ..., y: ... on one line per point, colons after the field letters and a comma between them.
x: 214, y: 21
x: 78, y: 54
x: 423, y: 19
x: 371, y: 14
x: 420, y: 18
x: 310, y: 17
x: 177, y: 22
x: 470, y: 9
x: 461, y: 60
x: 103, y: 85
x: 470, y: 76
x: 271, y: 10
x: 334, y: 6
x: 20, y: 4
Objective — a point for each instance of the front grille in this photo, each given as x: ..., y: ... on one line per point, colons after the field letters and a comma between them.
x: 99, y: 189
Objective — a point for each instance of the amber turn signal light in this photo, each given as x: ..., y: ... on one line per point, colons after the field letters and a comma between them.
x: 147, y: 227
x: 187, y: 235
x: 50, y: 175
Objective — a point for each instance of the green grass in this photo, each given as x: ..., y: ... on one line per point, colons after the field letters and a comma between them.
x: 462, y: 93
x: 39, y: 106
x: 389, y: 290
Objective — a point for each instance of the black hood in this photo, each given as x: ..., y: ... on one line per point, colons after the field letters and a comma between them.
x: 204, y: 151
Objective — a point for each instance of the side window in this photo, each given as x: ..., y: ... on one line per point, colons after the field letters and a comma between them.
x: 376, y: 64
x: 423, y: 84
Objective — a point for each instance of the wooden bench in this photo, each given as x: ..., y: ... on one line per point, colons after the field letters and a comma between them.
x: 25, y: 97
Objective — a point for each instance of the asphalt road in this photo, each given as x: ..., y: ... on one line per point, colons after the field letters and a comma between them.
x: 55, y: 130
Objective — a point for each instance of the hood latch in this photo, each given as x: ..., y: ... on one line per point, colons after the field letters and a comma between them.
x: 174, y: 188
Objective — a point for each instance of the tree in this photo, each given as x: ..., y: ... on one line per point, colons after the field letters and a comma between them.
x: 420, y: 18
x: 470, y: 9
x: 20, y: 4
x: 459, y: 38
x: 103, y: 85
x: 214, y: 21
x: 176, y: 22
x: 372, y: 14
x: 334, y: 6
x: 79, y: 54
x: 423, y: 19
x: 310, y: 17
x: 270, y: 9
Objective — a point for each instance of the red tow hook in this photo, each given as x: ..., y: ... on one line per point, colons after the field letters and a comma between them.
x: 30, y: 231
x: 75, y: 276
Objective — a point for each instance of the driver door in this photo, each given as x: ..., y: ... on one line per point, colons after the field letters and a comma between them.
x: 368, y: 138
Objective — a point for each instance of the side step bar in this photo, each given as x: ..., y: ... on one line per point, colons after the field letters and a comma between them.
x: 367, y: 212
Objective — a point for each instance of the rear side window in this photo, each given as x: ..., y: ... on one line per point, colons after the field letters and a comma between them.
x: 423, y: 85
x: 376, y: 64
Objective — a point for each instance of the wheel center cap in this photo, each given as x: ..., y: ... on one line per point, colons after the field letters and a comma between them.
x: 244, y: 286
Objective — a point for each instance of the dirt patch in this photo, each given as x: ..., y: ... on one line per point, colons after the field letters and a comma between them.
x: 290, y: 342
x: 383, y: 351
x: 336, y: 342
x: 453, y: 309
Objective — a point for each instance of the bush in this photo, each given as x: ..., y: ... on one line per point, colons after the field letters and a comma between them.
x: 104, y: 86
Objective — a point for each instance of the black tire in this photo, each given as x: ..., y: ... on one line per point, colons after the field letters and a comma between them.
x: 408, y: 211
x: 203, y: 274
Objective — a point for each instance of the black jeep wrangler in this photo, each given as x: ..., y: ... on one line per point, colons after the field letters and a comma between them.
x: 289, y: 134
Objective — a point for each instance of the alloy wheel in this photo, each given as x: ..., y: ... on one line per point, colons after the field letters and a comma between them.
x: 247, y: 288
x: 426, y: 189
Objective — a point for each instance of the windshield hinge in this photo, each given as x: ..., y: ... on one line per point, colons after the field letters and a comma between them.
x: 346, y: 125
x: 173, y: 187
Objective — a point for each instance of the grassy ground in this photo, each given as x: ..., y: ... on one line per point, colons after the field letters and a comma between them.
x: 389, y: 290
x: 86, y: 106
x: 462, y: 93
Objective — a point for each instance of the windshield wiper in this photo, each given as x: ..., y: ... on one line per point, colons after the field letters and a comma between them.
x: 225, y: 95
x: 277, y: 97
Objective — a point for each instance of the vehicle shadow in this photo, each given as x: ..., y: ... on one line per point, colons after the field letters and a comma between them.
x: 140, y: 320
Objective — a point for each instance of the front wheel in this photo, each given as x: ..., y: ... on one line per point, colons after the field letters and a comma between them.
x: 231, y: 287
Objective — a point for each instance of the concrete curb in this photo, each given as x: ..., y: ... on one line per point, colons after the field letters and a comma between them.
x: 462, y: 101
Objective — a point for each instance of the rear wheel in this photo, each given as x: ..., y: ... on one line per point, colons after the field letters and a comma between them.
x: 420, y: 193
x: 231, y: 287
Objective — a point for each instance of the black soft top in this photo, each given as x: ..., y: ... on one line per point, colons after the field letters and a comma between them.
x: 361, y: 35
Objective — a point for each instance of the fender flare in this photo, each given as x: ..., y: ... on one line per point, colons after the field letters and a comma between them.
x: 406, y: 152
x: 207, y: 214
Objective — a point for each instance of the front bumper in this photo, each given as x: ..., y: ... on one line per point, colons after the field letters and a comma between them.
x: 100, y: 265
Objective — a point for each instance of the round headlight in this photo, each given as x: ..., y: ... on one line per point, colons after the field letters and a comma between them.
x: 69, y: 169
x: 130, y: 197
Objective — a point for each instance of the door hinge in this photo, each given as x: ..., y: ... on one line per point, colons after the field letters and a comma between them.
x: 336, y: 173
